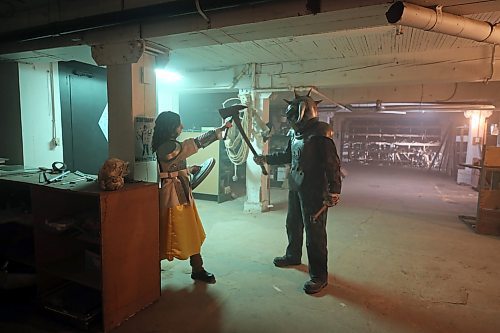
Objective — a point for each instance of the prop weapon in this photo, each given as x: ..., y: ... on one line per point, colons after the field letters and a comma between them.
x: 205, y: 169
x: 234, y: 112
x: 314, y: 218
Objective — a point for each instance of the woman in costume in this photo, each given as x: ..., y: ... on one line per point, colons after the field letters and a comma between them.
x: 181, y: 231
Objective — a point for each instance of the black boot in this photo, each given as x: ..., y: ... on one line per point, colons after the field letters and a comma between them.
x: 204, y: 276
x: 198, y: 272
x: 285, y: 261
x: 314, y: 286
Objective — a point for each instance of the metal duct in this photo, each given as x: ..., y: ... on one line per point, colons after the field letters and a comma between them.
x: 407, y: 14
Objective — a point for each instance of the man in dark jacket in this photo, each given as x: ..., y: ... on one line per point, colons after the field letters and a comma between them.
x: 314, y: 181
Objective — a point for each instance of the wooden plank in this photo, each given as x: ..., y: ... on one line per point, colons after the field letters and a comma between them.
x: 130, y: 252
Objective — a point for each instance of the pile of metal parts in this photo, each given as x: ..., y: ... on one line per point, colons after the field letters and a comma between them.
x: 59, y: 171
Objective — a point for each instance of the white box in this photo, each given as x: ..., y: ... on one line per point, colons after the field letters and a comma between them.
x: 280, y: 174
x: 464, y: 176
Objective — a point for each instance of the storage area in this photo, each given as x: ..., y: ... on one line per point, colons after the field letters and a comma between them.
x: 488, y: 207
x: 391, y: 142
x: 95, y: 253
x: 17, y: 257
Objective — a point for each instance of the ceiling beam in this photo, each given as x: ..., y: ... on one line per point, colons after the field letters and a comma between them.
x: 420, y: 93
x: 227, y: 25
x: 249, y: 24
x: 468, y: 65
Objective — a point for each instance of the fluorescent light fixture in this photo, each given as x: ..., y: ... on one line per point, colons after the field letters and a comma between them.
x: 392, y: 112
x: 168, y: 76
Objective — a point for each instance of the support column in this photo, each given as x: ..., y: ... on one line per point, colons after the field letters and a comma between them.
x: 257, y: 185
x: 131, y: 93
x: 475, y: 141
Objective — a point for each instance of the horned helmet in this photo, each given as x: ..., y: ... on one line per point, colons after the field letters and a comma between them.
x: 301, y: 109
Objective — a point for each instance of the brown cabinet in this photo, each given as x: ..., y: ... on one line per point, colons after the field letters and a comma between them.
x: 488, y: 208
x: 96, y: 252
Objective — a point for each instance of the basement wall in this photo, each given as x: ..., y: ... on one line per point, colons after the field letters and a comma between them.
x: 40, y: 115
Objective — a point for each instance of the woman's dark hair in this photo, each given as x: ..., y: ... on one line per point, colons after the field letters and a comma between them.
x: 165, y: 128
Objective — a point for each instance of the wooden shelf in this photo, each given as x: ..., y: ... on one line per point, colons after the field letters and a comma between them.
x: 121, y: 263
x: 73, y: 269
x: 22, y: 252
x: 488, y: 208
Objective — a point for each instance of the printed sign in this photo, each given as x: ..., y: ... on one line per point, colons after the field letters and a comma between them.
x: 143, y: 135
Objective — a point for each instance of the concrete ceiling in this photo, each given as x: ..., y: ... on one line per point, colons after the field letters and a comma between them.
x: 347, y: 50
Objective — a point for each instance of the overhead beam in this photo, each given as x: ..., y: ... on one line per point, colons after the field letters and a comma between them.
x: 468, y: 65
x: 228, y: 25
x: 480, y: 92
x: 251, y: 21
x: 249, y: 24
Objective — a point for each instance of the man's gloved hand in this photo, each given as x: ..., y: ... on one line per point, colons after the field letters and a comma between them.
x: 259, y: 159
x: 331, y: 199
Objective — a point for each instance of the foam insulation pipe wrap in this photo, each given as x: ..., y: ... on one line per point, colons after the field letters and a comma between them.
x: 407, y: 14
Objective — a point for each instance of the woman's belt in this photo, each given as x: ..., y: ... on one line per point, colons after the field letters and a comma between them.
x: 173, y: 174
x: 177, y: 185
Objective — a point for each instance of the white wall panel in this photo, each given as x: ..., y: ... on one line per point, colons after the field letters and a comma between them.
x: 37, y: 114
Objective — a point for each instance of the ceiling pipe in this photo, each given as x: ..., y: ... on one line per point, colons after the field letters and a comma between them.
x: 407, y: 14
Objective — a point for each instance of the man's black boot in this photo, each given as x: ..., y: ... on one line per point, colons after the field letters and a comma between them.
x: 285, y: 261
x: 313, y: 286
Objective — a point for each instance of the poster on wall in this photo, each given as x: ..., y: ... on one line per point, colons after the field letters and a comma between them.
x: 143, y: 136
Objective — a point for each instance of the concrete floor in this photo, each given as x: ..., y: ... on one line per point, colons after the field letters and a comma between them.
x: 400, y: 261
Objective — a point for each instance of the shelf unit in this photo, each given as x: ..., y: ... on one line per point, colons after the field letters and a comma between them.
x: 93, y: 245
x: 16, y: 225
x: 488, y: 207
x: 390, y: 142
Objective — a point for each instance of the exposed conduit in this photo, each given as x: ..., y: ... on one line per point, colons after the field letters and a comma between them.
x: 407, y: 14
x: 492, y: 64
x: 200, y: 11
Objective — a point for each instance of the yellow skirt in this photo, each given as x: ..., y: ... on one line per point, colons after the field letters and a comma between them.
x: 181, y: 232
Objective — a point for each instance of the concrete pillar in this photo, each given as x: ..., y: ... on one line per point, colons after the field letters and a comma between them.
x: 475, y: 141
x: 257, y: 185
x: 131, y: 93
